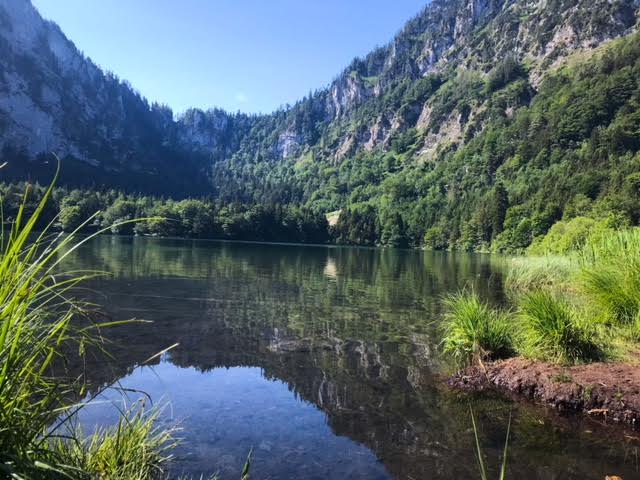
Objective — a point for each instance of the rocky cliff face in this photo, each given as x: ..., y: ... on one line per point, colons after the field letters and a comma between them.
x: 53, y: 99
x: 472, y: 35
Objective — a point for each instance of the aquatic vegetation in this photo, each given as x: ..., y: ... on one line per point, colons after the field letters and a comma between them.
x: 611, y: 246
x: 35, y: 322
x: 614, y: 289
x: 134, y: 449
x: 474, y: 331
x: 579, y: 307
x: 480, y: 456
x: 610, y: 275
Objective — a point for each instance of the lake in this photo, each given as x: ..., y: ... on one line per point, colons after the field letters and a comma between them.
x: 323, y: 360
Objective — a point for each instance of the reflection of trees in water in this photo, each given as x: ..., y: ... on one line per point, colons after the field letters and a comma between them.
x: 381, y: 394
x: 357, y: 340
x: 388, y: 276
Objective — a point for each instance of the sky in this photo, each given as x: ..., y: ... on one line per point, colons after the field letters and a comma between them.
x: 247, y: 55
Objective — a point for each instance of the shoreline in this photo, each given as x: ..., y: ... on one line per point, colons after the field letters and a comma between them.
x: 609, y: 391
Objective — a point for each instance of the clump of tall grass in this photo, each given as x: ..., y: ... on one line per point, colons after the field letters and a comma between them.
x: 580, y: 307
x: 133, y: 449
x: 615, y: 289
x: 474, y: 331
x: 612, y: 246
x: 553, y: 329
x: 35, y: 322
x: 611, y: 275
x: 37, y: 327
x: 525, y: 274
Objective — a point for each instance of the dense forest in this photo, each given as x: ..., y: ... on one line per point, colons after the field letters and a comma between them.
x: 89, y: 211
x: 569, y: 149
x: 478, y: 127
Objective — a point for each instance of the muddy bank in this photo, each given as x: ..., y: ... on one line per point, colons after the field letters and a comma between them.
x: 606, y: 390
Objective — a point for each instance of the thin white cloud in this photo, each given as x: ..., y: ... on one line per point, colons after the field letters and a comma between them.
x: 241, y: 97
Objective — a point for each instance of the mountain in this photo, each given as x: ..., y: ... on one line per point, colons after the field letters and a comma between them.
x: 54, y: 99
x: 483, y: 122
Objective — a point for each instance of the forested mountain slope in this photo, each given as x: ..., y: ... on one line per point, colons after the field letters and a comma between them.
x: 482, y: 123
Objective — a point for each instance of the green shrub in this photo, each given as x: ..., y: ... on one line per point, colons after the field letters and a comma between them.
x: 553, y: 330
x: 474, y: 332
x: 566, y: 237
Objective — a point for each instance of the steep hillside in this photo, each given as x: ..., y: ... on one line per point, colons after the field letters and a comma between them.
x: 479, y: 126
x: 482, y: 123
x: 394, y: 88
x: 53, y: 99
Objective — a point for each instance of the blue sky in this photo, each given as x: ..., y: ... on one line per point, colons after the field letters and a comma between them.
x: 248, y: 55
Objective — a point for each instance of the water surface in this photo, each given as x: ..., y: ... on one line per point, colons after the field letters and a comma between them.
x: 322, y: 360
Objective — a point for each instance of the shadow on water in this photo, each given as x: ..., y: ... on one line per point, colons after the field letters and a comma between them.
x: 324, y: 360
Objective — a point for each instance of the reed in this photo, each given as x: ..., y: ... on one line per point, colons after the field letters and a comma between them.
x: 611, y: 275
x: 133, y: 449
x: 612, y: 246
x: 482, y: 467
x: 524, y: 274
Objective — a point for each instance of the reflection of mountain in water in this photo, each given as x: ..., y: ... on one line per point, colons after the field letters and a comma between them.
x: 350, y: 330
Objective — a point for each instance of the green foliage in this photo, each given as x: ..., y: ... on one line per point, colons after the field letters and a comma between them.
x: 530, y: 273
x: 477, y: 157
x: 503, y: 74
x: 527, y: 159
x: 566, y: 237
x: 552, y: 329
x: 584, y: 305
x: 37, y: 328
x: 358, y: 226
x: 193, y: 218
x: 473, y: 331
x: 611, y: 274
x: 133, y: 449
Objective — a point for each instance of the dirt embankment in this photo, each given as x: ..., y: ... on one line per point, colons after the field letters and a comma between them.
x: 610, y: 390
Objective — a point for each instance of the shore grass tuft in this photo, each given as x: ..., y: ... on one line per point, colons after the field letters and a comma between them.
x: 474, y: 331
x: 136, y: 448
x: 553, y: 329
x: 525, y: 274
